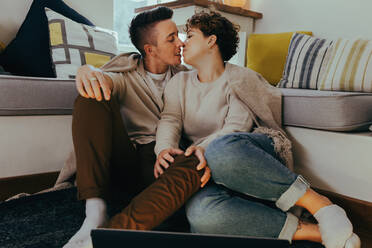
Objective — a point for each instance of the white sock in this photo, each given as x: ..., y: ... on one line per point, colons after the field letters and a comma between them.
x: 95, y: 215
x: 335, y: 228
x: 353, y: 241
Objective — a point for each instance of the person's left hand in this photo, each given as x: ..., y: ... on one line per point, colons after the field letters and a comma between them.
x: 199, y: 153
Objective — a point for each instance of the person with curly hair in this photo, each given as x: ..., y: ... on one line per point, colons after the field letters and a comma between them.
x: 226, y: 119
x: 231, y: 117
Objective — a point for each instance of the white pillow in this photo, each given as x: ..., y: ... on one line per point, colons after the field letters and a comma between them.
x: 349, y: 67
x: 73, y: 44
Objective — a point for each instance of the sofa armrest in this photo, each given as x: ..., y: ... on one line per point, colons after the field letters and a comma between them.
x: 36, y: 96
x: 35, y: 124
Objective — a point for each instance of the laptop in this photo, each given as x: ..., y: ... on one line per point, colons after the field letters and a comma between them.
x: 114, y: 238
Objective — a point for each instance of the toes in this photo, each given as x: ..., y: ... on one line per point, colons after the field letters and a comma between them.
x: 353, y: 241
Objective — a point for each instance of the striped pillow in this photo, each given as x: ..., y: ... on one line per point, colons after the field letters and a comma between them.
x: 350, y: 66
x: 306, y: 59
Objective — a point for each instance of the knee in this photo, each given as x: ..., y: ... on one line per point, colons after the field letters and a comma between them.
x: 188, y: 163
x: 82, y: 103
x: 186, y: 167
x: 218, y: 145
x: 226, y: 153
x: 201, y: 214
x: 87, y: 108
x: 221, y: 153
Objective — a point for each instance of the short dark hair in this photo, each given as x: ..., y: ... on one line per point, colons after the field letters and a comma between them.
x: 140, y: 29
x: 213, y: 23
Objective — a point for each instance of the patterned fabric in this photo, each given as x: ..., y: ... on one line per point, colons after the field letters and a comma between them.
x: 350, y: 66
x: 306, y: 60
x: 73, y: 44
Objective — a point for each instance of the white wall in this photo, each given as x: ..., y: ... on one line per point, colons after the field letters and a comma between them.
x: 13, y: 13
x: 326, y: 18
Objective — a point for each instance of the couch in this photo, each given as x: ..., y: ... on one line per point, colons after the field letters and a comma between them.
x: 35, y: 113
x: 35, y: 117
x: 35, y: 121
x: 36, y: 105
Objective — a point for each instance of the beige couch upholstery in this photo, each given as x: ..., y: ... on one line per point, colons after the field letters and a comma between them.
x: 35, y: 126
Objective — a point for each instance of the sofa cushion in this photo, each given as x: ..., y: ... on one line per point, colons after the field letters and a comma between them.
x: 266, y: 54
x: 306, y: 60
x: 327, y: 110
x: 28, y: 53
x: 73, y: 44
x: 36, y: 96
x: 350, y: 66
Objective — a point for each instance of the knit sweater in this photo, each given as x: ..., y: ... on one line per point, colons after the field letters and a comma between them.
x: 138, y: 96
x: 203, y: 111
x: 263, y: 101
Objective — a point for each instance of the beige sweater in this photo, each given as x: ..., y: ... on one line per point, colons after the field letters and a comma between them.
x: 263, y: 101
x: 138, y: 96
x: 139, y: 99
x: 203, y: 111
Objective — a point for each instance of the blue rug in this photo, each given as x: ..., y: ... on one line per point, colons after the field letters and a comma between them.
x: 43, y: 220
x: 50, y: 219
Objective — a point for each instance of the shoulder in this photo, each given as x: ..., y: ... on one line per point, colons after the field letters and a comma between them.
x: 123, y: 63
x: 238, y: 75
x: 183, y: 76
x: 179, y: 80
x: 236, y: 71
x: 178, y: 68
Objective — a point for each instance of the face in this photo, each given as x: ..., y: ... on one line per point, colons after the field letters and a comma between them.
x: 196, y: 45
x: 168, y: 48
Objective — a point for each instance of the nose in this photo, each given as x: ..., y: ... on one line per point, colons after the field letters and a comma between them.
x: 180, y: 43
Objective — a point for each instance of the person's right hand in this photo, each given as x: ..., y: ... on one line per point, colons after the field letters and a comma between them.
x: 164, y: 157
x: 90, y: 81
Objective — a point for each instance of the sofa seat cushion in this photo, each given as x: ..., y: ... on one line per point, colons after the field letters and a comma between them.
x: 36, y: 96
x: 327, y: 110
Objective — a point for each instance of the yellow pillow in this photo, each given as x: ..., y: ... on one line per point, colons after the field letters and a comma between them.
x: 2, y: 46
x: 267, y: 53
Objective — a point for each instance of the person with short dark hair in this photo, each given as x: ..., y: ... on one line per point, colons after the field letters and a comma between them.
x: 232, y: 117
x: 115, y: 157
x: 228, y: 116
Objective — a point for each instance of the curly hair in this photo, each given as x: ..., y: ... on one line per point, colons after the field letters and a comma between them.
x: 214, y: 24
x: 141, y: 27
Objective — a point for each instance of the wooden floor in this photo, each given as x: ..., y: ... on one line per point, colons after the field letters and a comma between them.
x: 359, y: 212
x: 366, y: 239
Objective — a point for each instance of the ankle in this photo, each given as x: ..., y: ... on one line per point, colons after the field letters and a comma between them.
x: 307, y: 231
x: 313, y: 201
x: 95, y: 206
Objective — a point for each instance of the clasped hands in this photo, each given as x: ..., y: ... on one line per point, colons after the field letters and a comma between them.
x: 166, y: 156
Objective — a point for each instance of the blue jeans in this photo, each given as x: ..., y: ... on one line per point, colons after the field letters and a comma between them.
x: 246, y: 172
